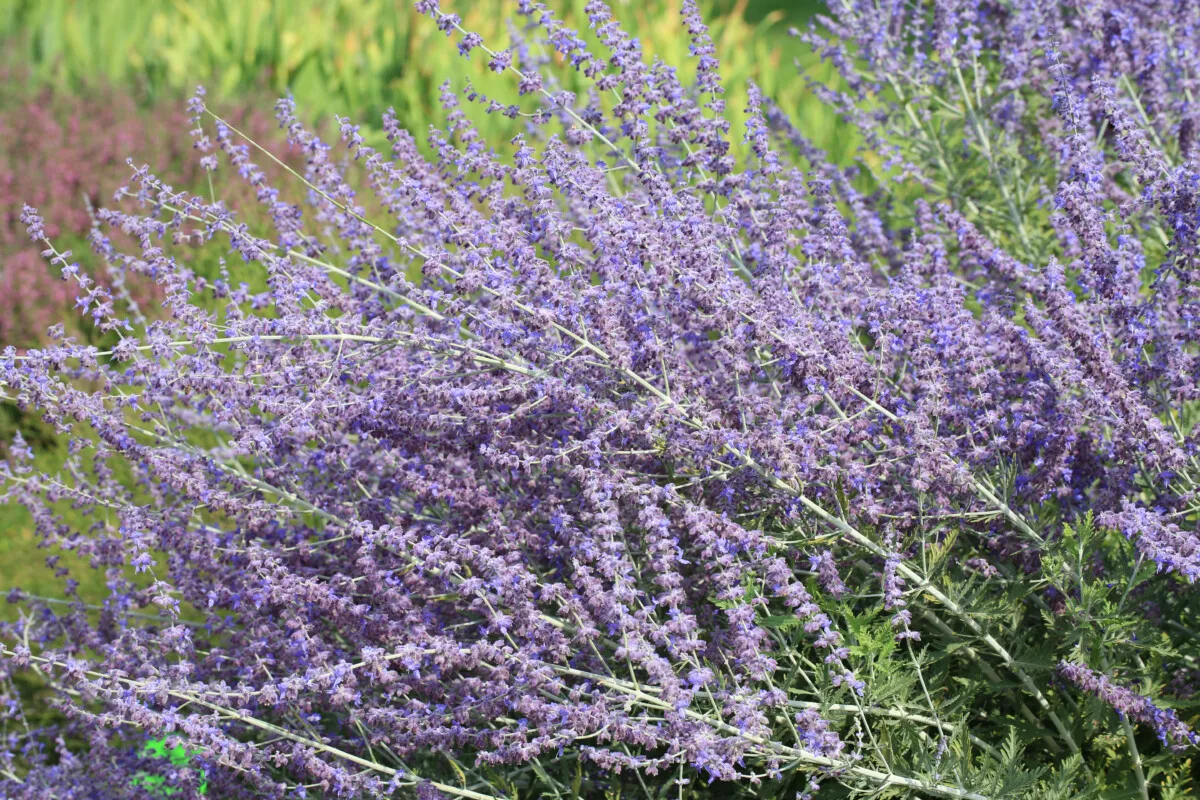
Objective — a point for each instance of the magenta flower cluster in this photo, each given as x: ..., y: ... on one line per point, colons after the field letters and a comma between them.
x: 609, y: 462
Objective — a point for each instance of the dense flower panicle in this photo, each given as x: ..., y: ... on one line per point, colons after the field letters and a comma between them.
x: 827, y: 573
x: 1165, y: 543
x: 35, y: 226
x: 599, y: 458
x: 1128, y: 703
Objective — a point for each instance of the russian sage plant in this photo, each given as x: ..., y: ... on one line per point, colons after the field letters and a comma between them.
x: 600, y: 464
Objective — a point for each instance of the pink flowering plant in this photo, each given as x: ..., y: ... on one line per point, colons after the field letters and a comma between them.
x: 62, y: 153
x: 607, y: 464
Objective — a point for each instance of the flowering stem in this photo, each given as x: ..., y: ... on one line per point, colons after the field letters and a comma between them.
x: 254, y: 722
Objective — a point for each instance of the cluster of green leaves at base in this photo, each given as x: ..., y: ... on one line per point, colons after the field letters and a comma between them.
x: 1116, y: 614
x: 178, y: 756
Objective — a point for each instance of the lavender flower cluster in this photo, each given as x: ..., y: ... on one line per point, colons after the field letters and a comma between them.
x: 605, y: 462
x: 1130, y: 704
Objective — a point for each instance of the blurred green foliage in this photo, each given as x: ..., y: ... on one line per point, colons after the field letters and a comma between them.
x: 358, y: 57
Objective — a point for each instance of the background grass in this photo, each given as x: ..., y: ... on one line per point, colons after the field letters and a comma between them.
x: 349, y: 57
x: 358, y: 57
